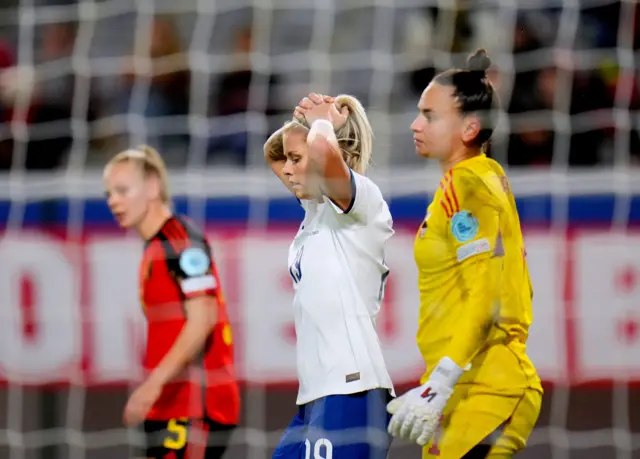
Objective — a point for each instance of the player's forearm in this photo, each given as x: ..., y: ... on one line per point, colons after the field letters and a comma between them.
x: 482, y: 276
x: 189, y: 342
x: 323, y: 147
x: 326, y: 161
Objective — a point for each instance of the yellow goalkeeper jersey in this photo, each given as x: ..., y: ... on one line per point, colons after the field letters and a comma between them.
x: 475, y: 292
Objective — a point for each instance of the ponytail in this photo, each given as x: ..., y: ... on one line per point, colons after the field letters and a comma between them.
x: 355, y: 137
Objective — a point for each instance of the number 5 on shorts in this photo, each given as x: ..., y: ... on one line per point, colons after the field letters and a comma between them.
x: 177, y: 437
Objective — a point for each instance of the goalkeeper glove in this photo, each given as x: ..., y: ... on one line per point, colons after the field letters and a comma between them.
x: 416, y: 414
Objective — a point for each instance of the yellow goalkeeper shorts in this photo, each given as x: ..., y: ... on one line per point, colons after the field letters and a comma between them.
x: 473, y: 418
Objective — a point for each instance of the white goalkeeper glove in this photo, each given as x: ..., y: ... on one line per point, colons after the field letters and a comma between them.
x: 416, y: 414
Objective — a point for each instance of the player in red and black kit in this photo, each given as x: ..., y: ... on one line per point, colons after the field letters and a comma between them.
x: 189, y: 402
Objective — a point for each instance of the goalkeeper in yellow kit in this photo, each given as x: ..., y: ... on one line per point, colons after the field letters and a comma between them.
x: 480, y: 395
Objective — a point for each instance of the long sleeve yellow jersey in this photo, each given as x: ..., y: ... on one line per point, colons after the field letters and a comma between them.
x: 475, y: 292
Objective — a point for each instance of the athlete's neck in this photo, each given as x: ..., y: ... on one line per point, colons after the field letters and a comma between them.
x: 456, y: 157
x: 156, y: 217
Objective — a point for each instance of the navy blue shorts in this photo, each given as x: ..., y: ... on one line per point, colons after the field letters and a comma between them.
x: 339, y: 426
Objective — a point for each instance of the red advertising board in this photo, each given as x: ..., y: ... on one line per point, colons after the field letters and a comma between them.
x: 70, y: 309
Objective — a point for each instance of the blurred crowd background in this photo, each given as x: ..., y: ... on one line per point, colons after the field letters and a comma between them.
x: 220, y: 76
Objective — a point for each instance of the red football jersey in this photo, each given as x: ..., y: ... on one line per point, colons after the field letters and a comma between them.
x: 176, y: 266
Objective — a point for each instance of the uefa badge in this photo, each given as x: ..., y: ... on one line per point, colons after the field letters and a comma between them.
x: 464, y: 226
x: 423, y: 229
x: 194, y: 261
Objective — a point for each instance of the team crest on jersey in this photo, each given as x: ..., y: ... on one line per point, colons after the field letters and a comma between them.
x: 464, y: 226
x: 295, y: 270
x: 423, y: 227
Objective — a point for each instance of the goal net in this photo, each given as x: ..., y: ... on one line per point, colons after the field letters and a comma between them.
x: 206, y: 81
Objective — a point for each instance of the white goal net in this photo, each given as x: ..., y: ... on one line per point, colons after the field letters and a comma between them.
x: 205, y: 81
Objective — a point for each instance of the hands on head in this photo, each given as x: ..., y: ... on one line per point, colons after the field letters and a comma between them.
x: 318, y: 106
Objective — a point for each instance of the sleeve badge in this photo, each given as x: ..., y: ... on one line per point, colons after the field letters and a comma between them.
x: 464, y: 226
x: 194, y: 261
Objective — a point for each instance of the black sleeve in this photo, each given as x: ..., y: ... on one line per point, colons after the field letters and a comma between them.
x: 190, y: 263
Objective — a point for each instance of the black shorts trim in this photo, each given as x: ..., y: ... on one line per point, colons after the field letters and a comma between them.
x: 186, y: 438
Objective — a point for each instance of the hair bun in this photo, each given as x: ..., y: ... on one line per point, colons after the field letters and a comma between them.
x: 479, y: 62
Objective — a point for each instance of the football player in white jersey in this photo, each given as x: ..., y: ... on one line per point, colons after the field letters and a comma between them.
x: 337, y: 265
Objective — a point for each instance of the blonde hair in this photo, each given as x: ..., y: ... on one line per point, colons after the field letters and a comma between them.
x: 355, y: 137
x: 151, y: 164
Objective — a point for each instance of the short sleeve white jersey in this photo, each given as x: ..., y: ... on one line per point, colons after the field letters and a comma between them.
x: 337, y: 264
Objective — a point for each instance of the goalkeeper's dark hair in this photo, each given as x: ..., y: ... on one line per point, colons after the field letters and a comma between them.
x: 474, y: 93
